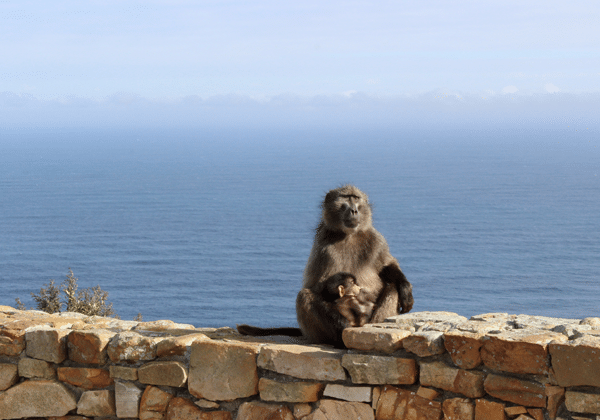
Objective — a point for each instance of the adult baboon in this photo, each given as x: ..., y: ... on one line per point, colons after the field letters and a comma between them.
x: 346, y: 242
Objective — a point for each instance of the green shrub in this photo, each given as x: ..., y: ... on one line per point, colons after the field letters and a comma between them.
x: 90, y: 301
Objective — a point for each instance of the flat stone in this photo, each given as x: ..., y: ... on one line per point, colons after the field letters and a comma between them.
x: 123, y: 372
x: 89, y: 346
x: 131, y: 347
x: 458, y: 409
x: 163, y: 373
x: 425, y: 343
x: 177, y: 346
x: 413, y: 318
x: 428, y: 393
x: 8, y: 375
x: 576, y: 362
x: 460, y: 381
x: 515, y: 411
x: 154, y: 403
x: 368, y: 369
x: 34, y: 368
x: 47, y: 344
x: 221, y: 371
x: 399, y: 404
x: 536, y: 413
x: 489, y: 410
x: 349, y: 393
x: 518, y: 391
x: 369, y: 338
x: 542, y: 322
x: 97, y: 403
x: 519, y: 351
x: 256, y: 410
x: 581, y: 402
x: 183, y: 409
x: 271, y: 390
x: 39, y: 398
x: 161, y: 326
x: 304, y: 362
x: 86, y: 378
x: 339, y: 410
x: 127, y: 399
x: 464, y: 348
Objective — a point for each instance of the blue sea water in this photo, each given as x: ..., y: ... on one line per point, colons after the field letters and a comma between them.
x: 213, y: 227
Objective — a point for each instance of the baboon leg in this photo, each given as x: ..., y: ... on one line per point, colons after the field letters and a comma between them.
x: 318, y: 322
x: 392, y: 274
x: 387, y: 304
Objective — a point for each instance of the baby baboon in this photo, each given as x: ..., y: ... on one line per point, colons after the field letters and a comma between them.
x: 353, y: 303
x: 346, y: 242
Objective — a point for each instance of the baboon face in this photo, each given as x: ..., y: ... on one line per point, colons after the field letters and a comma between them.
x: 346, y: 209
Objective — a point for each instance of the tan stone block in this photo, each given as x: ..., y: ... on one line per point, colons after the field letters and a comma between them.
x: 97, y: 403
x: 464, y: 348
x: 207, y: 404
x: 302, y: 410
x: 131, y: 347
x: 12, y: 341
x: 458, y: 409
x: 127, y: 399
x: 379, y: 340
x: 428, y: 393
x: 177, y: 346
x: 255, y: 410
x: 527, y: 393
x: 376, y: 394
x: 221, y: 371
x: 304, y: 362
x: 183, y: 409
x: 123, y: 372
x: 162, y: 325
x: 348, y: 393
x: 581, y: 402
x: 271, y: 390
x: 47, y: 344
x: 39, y: 398
x: 8, y: 375
x: 367, y: 369
x: 420, y: 318
x: 72, y: 417
x: 515, y: 411
x: 34, y: 368
x: 86, y: 378
x: 341, y: 410
x: 163, y: 373
x: 154, y: 403
x: 577, y: 362
x: 89, y: 346
x: 556, y: 396
x: 425, y: 343
x: 536, y: 413
x: 399, y: 404
x: 524, y: 417
x: 489, y: 410
x: 440, y: 375
x: 519, y: 351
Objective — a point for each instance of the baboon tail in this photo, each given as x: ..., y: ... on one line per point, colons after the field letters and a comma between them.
x: 259, y: 332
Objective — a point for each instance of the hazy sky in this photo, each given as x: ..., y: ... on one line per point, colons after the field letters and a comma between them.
x: 116, y: 50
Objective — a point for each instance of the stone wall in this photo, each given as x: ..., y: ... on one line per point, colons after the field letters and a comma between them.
x: 415, y: 366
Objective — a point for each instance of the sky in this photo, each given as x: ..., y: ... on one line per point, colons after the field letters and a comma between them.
x: 68, y: 61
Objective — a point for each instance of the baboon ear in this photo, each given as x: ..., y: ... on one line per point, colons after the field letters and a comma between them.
x: 341, y: 290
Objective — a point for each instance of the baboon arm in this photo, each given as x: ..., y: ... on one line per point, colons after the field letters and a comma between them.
x: 392, y: 274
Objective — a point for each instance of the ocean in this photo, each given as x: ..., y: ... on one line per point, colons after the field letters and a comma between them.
x: 212, y: 227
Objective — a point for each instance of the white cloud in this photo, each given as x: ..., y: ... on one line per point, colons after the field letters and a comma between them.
x: 550, y: 88
x: 509, y: 89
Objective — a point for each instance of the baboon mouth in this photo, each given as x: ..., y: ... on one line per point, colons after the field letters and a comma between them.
x: 351, y: 223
